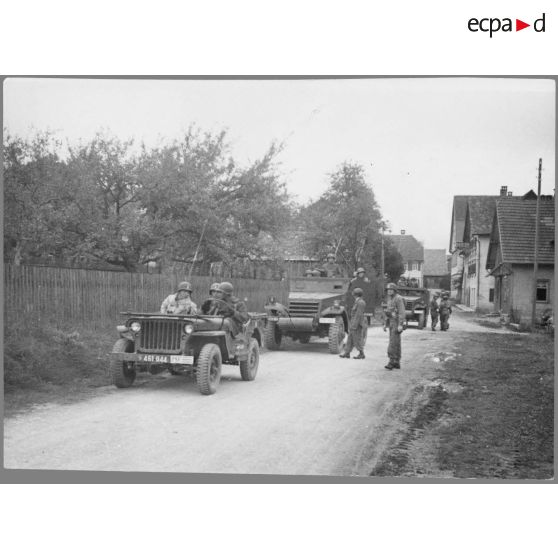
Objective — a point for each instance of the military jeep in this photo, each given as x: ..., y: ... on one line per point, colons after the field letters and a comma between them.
x: 416, y: 304
x: 184, y: 344
x: 315, y: 308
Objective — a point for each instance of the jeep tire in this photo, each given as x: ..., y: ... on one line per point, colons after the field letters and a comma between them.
x: 123, y: 372
x: 272, y: 336
x: 336, y: 335
x: 208, y: 372
x: 249, y: 367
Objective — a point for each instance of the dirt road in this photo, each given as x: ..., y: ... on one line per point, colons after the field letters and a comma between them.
x: 307, y: 412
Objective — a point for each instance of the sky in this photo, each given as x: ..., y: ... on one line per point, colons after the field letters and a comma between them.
x: 421, y: 141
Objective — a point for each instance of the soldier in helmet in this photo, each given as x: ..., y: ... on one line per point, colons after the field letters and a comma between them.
x: 434, y: 310
x: 445, y: 311
x: 308, y: 273
x: 394, y: 320
x: 231, y: 307
x: 180, y: 302
x: 331, y: 268
x: 357, y: 326
x: 208, y: 303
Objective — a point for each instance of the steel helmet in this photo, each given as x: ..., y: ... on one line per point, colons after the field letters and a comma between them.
x: 214, y: 287
x: 330, y: 256
x: 358, y: 292
x: 391, y: 286
x: 185, y: 286
x: 360, y: 270
x: 225, y: 287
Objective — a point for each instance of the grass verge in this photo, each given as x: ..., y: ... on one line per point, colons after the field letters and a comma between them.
x: 489, y: 414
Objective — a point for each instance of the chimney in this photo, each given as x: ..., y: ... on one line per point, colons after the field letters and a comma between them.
x: 402, y: 231
x: 503, y: 190
x: 510, y: 194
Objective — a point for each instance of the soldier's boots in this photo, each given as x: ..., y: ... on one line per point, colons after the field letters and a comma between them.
x: 391, y: 365
x: 360, y: 355
x: 344, y: 355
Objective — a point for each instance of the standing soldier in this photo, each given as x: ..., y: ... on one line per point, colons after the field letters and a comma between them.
x: 357, y: 326
x: 445, y: 311
x: 434, y: 311
x: 394, y: 320
x: 331, y: 268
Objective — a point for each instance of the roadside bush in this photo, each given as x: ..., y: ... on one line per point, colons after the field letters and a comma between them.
x: 35, y: 355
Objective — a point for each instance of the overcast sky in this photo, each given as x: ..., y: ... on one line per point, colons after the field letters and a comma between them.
x: 421, y: 141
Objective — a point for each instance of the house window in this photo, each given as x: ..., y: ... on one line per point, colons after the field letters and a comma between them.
x: 490, y: 295
x: 405, y: 266
x: 542, y: 291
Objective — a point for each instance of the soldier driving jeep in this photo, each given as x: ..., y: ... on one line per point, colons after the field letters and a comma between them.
x: 232, y: 308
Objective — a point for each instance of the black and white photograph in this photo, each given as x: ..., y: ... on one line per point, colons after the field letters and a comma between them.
x: 301, y: 277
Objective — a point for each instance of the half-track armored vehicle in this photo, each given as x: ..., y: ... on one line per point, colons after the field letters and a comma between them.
x: 316, y: 307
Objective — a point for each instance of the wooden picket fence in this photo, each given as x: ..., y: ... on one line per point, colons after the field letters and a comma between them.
x: 93, y: 299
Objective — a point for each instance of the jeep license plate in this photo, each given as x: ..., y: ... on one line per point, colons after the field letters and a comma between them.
x: 168, y: 359
x: 327, y: 320
x: 419, y: 311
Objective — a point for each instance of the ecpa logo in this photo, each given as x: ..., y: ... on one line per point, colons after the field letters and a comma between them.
x: 492, y: 25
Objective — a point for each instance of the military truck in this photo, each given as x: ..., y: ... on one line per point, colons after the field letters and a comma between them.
x: 185, y: 344
x: 315, y: 307
x: 417, y: 304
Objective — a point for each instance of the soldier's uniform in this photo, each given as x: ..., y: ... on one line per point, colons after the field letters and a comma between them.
x: 331, y: 269
x: 434, y: 312
x: 357, y: 328
x: 445, y: 311
x: 209, y: 303
x: 232, y: 308
x: 394, y: 319
x: 174, y: 305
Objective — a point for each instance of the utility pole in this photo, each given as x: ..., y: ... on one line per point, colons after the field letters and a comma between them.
x: 536, y: 263
x: 382, y: 264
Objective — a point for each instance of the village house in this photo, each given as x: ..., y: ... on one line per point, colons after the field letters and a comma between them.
x: 436, y: 270
x: 471, y: 225
x: 412, y: 252
x: 511, y: 256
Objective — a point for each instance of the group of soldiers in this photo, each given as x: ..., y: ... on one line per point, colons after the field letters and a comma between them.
x: 220, y: 302
x: 394, y: 322
x: 440, y: 309
x: 328, y: 269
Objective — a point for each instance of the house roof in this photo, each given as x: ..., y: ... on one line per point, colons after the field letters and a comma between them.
x: 408, y: 246
x: 435, y: 262
x: 481, y: 213
x: 516, y: 224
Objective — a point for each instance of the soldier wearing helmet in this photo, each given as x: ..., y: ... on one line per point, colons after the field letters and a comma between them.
x: 330, y: 268
x: 232, y: 308
x: 208, y: 303
x: 357, y: 326
x: 394, y: 319
x: 308, y: 273
x: 180, y: 302
x: 445, y: 311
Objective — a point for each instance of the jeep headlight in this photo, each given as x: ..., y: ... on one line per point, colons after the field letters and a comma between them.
x: 188, y: 329
x: 135, y: 327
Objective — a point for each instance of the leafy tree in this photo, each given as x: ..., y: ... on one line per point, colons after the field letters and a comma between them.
x: 345, y: 220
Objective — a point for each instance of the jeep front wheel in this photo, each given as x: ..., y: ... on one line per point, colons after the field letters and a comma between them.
x: 272, y: 336
x: 208, y: 373
x: 123, y: 372
x: 336, y: 335
x: 249, y: 367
